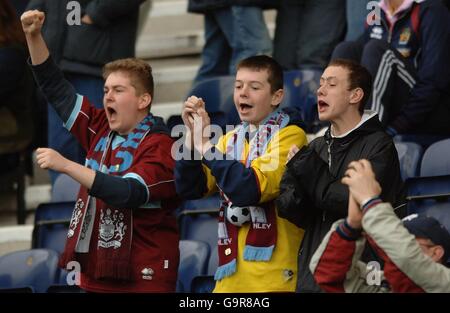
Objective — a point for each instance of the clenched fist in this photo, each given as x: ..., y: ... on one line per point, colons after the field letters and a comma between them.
x: 32, y: 22
x: 50, y: 159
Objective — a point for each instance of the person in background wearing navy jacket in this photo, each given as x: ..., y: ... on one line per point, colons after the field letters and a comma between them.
x: 406, y: 49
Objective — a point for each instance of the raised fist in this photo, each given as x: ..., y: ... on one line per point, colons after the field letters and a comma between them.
x: 32, y: 22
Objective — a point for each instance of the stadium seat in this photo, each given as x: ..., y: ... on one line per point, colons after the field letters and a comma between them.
x: 203, y: 284
x: 409, y: 155
x: 430, y: 196
x: 36, y: 269
x: 206, y: 283
x: 199, y: 225
x: 424, y: 140
x: 193, y: 262
x: 64, y: 189
x: 436, y: 160
x: 211, y: 202
x: 51, y: 225
x: 300, y: 88
x: 213, y: 261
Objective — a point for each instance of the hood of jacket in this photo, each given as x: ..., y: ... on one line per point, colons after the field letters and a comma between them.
x: 369, y: 124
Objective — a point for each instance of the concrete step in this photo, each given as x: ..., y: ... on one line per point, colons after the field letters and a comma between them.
x: 171, y: 31
x: 15, y: 238
x: 173, y: 77
x: 172, y: 40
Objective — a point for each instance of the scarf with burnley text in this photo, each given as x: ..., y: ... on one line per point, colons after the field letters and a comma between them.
x: 115, y: 225
x: 262, y: 235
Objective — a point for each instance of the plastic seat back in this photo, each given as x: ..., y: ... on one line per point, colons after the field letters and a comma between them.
x: 36, y: 269
x: 436, y: 159
x: 51, y: 225
x: 193, y: 262
x: 199, y: 225
x: 430, y: 196
x: 409, y: 155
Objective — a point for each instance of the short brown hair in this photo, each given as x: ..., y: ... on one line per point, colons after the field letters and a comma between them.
x: 264, y: 62
x: 358, y: 77
x: 140, y: 72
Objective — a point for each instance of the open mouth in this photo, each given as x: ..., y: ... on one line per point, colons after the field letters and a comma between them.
x: 245, y: 106
x: 322, y: 105
x: 111, y: 111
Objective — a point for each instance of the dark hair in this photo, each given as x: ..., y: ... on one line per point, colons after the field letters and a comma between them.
x: 11, y: 29
x: 264, y: 62
x: 140, y: 72
x: 358, y: 77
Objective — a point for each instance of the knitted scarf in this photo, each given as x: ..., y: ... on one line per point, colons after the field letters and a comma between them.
x: 262, y: 236
x: 115, y: 225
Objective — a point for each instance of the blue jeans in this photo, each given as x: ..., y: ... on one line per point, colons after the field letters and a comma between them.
x: 59, y: 138
x: 232, y: 34
x: 307, y: 32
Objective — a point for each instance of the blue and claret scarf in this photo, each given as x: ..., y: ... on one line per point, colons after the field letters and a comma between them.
x: 262, y: 236
x: 116, y: 224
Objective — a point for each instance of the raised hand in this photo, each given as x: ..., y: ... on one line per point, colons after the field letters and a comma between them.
x: 202, y: 131
x: 50, y: 159
x: 32, y: 22
x: 190, y: 107
x: 361, y: 181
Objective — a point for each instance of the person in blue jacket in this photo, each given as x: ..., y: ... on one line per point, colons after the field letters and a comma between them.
x: 406, y: 49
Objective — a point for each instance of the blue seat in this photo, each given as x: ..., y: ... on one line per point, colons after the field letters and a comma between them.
x: 193, y: 262
x: 213, y: 261
x: 51, y: 225
x: 36, y: 269
x: 206, y: 283
x: 430, y: 196
x: 409, y: 155
x: 65, y: 189
x: 300, y: 88
x: 203, y: 284
x: 422, y: 139
x: 211, y: 202
x: 436, y: 160
x: 199, y: 225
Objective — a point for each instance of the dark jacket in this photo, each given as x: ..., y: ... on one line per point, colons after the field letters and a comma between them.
x: 312, y: 195
x: 86, y: 48
x: 422, y: 36
x: 202, y: 6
